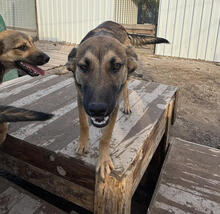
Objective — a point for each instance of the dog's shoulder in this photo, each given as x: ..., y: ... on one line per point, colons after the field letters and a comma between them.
x: 109, y: 28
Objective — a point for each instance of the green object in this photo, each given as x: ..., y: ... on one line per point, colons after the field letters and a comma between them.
x: 2, y: 24
x: 12, y: 74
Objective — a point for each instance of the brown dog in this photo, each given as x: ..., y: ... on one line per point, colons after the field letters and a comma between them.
x: 17, y: 50
x: 101, y: 65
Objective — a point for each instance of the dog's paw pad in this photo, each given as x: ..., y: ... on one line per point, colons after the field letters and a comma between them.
x: 104, y: 167
x: 81, y: 149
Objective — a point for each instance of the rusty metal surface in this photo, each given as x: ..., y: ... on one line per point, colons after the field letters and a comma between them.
x: 189, y: 180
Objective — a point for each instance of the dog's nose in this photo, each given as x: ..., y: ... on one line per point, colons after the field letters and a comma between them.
x: 97, y: 109
x: 46, y: 58
x: 43, y: 58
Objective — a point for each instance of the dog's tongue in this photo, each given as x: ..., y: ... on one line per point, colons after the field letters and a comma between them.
x: 34, y: 69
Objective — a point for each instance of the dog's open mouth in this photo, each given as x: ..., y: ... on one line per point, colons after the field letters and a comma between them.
x: 32, y: 70
x: 99, y: 122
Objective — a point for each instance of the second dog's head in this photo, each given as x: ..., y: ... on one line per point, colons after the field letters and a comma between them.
x: 17, y: 50
x: 101, y: 66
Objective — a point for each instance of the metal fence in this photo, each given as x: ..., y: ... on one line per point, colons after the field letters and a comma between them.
x: 192, y: 27
x: 125, y: 12
x: 19, y: 13
x: 70, y: 20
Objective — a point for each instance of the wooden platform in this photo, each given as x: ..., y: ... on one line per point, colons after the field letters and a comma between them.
x: 189, y: 181
x: 43, y: 153
x: 14, y: 199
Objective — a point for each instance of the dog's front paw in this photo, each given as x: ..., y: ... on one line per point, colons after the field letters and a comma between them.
x: 104, y: 166
x: 127, y: 110
x: 82, y: 148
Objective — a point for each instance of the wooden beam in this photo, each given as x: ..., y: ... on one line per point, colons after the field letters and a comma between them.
x: 56, y: 163
x: 176, y: 98
x: 48, y: 181
x: 113, y: 195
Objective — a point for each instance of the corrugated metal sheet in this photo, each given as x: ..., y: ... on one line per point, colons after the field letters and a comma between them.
x: 192, y: 27
x: 19, y: 13
x: 70, y: 20
x: 125, y: 12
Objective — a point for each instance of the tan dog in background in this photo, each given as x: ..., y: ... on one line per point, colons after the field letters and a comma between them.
x: 101, y: 65
x: 17, y: 50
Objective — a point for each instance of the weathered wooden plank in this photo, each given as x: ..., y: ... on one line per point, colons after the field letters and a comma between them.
x: 46, y: 180
x: 15, y: 82
x: 41, y: 93
x: 176, y: 98
x: 145, y: 155
x: 13, y: 199
x: 139, y: 26
x: 114, y: 195
x: 49, y: 147
x: 148, y: 101
x: 66, y: 167
x: 15, y: 95
x: 189, y: 180
x: 141, y: 29
x: 170, y: 112
x: 12, y: 91
x: 129, y: 131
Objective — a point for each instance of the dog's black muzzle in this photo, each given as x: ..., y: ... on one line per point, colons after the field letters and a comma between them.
x: 38, y: 59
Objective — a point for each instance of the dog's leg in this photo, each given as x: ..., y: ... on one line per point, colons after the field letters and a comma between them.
x: 3, y: 131
x: 82, y: 146
x: 105, y: 164
x: 127, y: 108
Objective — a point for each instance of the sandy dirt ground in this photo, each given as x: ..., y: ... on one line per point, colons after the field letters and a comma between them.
x: 198, y: 118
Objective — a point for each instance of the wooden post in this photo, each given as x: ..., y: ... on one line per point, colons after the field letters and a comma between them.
x: 113, y: 195
x: 165, y: 139
x: 167, y: 130
x: 175, y: 107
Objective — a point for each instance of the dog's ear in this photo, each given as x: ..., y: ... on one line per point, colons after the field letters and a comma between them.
x: 131, y: 60
x: 1, y: 47
x: 71, y: 64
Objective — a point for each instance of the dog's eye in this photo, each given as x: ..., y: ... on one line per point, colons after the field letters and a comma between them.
x: 84, y: 68
x: 22, y: 48
x: 116, y: 67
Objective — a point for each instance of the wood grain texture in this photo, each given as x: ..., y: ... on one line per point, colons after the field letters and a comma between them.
x: 189, y: 181
x: 48, y: 181
x: 148, y: 102
x: 14, y: 199
x: 113, y: 195
x: 48, y: 148
x: 66, y: 167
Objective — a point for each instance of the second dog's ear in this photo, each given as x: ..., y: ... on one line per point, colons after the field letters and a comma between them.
x: 71, y: 64
x: 131, y: 60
